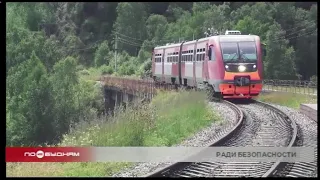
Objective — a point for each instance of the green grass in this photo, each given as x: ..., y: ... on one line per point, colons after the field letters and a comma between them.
x: 292, y: 100
x: 170, y: 118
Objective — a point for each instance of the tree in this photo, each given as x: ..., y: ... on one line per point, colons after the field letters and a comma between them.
x: 130, y: 22
x: 280, y: 60
x: 64, y: 80
x: 102, y: 55
x: 156, y: 26
x: 29, y: 103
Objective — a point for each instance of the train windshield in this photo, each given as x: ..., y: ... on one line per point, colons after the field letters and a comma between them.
x: 244, y: 51
x: 247, y: 51
x: 230, y: 52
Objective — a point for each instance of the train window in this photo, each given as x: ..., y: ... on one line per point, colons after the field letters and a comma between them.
x: 190, y: 58
x: 212, y: 54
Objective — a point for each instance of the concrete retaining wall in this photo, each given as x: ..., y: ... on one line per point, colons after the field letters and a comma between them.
x: 310, y: 110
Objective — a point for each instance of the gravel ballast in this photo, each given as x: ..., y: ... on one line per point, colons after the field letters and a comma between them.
x: 199, y: 139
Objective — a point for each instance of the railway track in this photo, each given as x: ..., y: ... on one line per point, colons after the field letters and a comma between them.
x: 306, y: 137
x: 274, y: 129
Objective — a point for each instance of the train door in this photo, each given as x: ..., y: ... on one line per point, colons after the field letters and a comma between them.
x: 199, y: 65
x: 205, y: 63
x: 162, y: 63
x: 153, y: 63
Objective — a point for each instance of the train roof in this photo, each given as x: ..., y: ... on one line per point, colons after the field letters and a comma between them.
x: 221, y: 38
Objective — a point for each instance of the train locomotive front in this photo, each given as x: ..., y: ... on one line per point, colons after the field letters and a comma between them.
x: 240, y: 62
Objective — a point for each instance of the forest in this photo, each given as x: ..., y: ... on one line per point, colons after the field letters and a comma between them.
x: 50, y: 46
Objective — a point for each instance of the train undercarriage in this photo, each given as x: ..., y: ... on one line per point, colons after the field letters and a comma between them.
x: 209, y: 90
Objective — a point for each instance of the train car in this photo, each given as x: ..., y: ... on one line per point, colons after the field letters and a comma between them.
x: 228, y: 66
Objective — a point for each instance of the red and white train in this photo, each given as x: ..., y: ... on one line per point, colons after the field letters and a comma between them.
x: 229, y: 65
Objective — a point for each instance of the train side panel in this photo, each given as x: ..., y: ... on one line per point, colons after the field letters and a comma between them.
x: 187, y: 63
x: 157, y: 62
x: 199, y: 63
x: 215, y: 66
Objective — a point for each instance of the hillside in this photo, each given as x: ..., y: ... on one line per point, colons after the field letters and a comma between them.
x: 52, y: 46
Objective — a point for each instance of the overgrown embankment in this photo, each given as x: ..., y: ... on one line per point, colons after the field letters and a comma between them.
x: 292, y: 100
x: 170, y: 118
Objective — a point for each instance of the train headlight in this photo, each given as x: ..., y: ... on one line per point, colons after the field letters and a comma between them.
x: 241, y: 68
x: 254, y: 66
x: 227, y: 66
